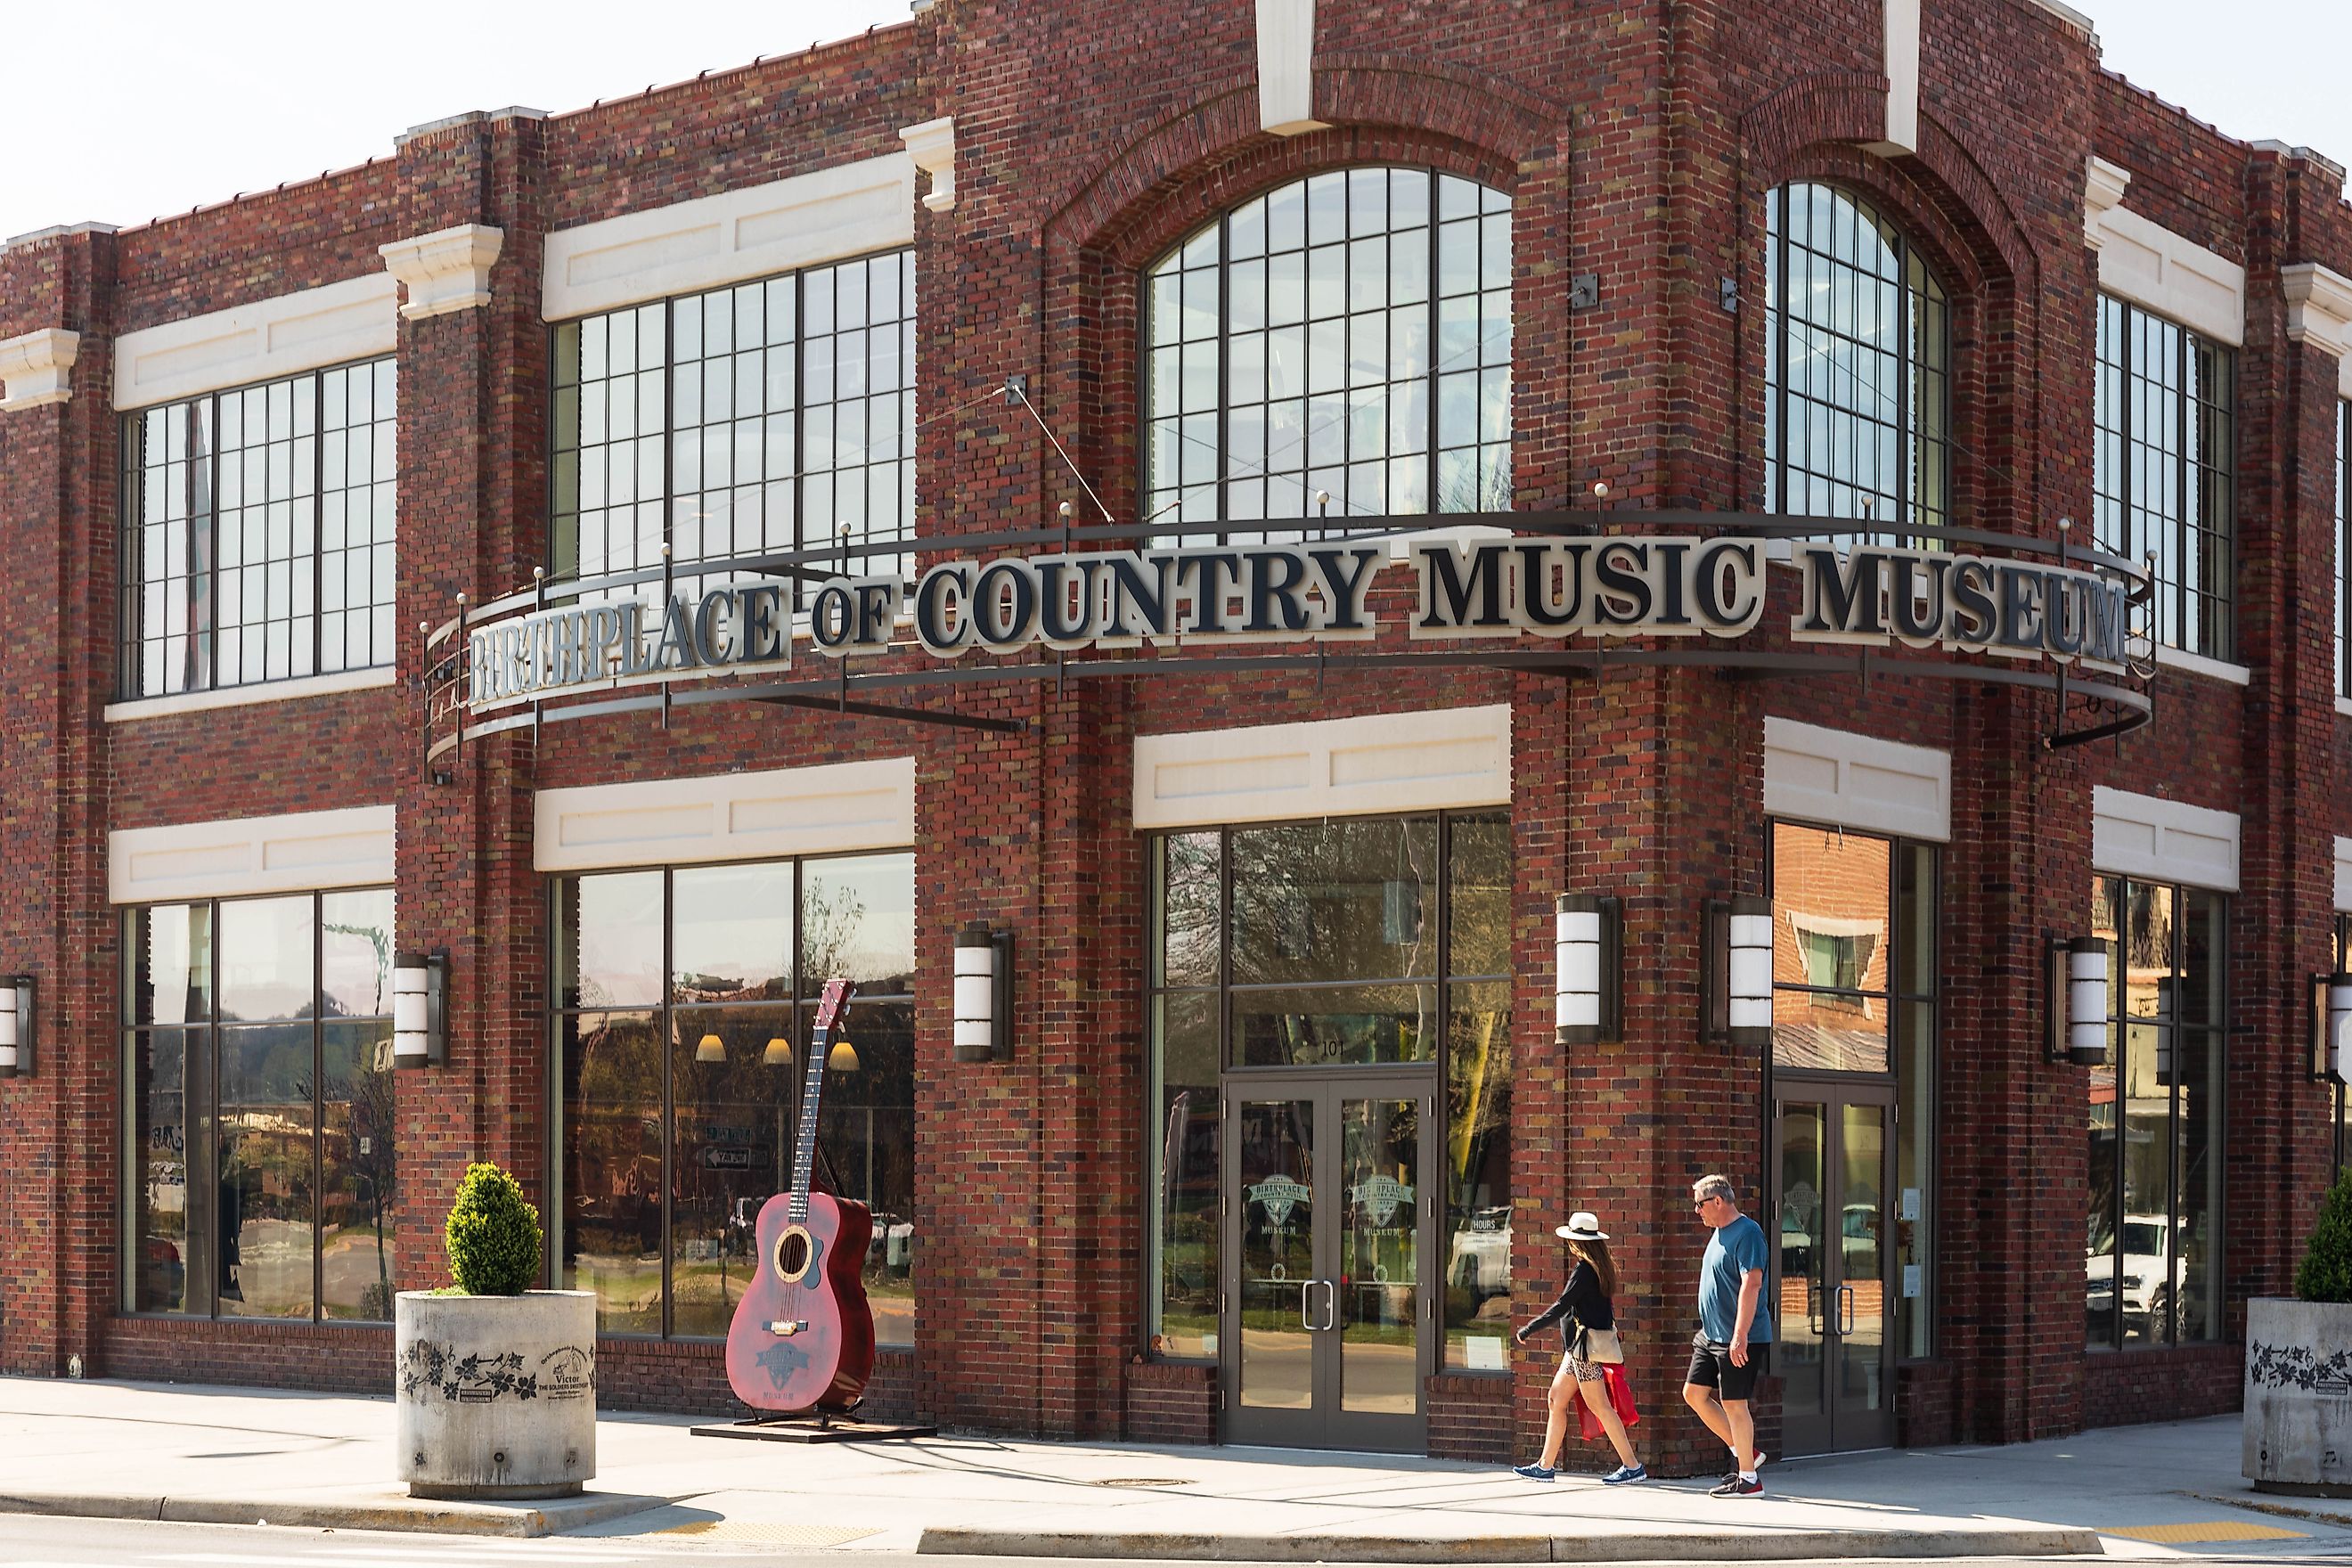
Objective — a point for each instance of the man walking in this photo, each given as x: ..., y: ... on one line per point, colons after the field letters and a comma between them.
x: 1735, y: 1332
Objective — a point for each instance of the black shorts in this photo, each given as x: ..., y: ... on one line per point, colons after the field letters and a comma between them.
x: 1711, y: 1367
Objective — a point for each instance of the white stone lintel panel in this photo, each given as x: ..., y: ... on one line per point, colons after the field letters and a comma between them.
x: 295, y: 690
x: 820, y: 810
x: 2318, y: 308
x: 823, y: 215
x: 1286, y: 66
x: 1325, y: 767
x: 35, y: 368
x: 2173, y: 276
x: 1861, y: 782
x: 2344, y: 876
x: 245, y: 344
x: 1901, y: 19
x: 2104, y: 185
x: 446, y: 270
x: 932, y: 146
x: 2163, y: 840
x: 250, y: 854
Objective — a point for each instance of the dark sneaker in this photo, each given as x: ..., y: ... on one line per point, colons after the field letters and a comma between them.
x: 1622, y: 1474
x: 1739, y: 1486
x: 1535, y: 1472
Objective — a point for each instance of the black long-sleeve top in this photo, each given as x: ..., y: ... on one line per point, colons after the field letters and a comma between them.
x: 1582, y: 1300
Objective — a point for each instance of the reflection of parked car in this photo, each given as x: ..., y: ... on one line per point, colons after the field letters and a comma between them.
x: 1858, y: 1237
x: 2149, y: 1298
x: 1481, y: 1258
x: 892, y: 1243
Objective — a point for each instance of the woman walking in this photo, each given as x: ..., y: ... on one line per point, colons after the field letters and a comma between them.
x: 1585, y: 1304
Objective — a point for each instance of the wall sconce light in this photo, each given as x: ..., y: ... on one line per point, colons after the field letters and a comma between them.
x: 2077, y: 985
x: 420, y: 1010
x: 1588, y: 942
x: 1735, y: 972
x: 983, y: 993
x: 15, y: 1026
x: 2331, y: 1028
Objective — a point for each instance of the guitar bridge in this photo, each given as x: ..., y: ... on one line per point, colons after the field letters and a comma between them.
x: 788, y: 1327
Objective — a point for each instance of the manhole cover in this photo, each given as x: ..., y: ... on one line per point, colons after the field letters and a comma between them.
x: 1138, y: 1481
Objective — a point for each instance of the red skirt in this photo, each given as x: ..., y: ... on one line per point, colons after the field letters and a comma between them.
x: 1621, y: 1395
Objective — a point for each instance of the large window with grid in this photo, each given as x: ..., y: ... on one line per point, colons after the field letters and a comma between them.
x: 764, y: 416
x: 1857, y: 368
x: 1349, y: 335
x: 259, y: 1140
x: 2165, y: 475
x: 257, y: 533
x: 686, y: 1000
x: 2152, y: 1256
x: 2343, y: 551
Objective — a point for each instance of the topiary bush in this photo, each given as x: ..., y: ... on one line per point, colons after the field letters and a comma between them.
x: 492, y: 1235
x: 2326, y: 1271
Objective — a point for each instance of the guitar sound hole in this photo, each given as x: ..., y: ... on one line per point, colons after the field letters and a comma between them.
x: 793, y: 1254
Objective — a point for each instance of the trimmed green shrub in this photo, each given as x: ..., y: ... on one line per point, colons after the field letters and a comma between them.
x: 2326, y: 1271
x: 492, y: 1235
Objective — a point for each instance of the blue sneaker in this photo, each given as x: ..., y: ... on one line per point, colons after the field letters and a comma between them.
x: 1535, y: 1472
x: 1624, y: 1473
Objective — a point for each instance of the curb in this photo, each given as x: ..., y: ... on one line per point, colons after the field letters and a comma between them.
x: 392, y: 1510
x: 1745, y: 1546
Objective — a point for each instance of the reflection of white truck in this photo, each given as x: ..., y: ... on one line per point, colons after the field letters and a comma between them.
x: 1481, y: 1257
x: 2150, y: 1298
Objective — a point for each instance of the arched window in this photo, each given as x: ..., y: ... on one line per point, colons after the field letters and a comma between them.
x: 1858, y: 366
x: 1349, y: 332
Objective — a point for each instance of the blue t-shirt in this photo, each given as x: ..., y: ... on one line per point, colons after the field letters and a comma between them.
x: 1731, y: 1252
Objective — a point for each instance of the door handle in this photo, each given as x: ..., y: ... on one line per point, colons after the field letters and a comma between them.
x: 1845, y: 1309
x: 1330, y: 1304
x: 1304, y: 1286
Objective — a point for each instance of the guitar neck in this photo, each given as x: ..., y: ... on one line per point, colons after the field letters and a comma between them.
x: 804, y: 1146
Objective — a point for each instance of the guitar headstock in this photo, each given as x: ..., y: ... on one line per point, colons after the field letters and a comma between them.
x: 834, y: 1002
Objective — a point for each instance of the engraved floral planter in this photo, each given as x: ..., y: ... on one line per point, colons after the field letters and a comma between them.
x: 496, y: 1394
x: 2299, y: 1414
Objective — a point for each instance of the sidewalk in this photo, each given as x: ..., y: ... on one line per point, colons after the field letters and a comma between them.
x: 237, y: 1455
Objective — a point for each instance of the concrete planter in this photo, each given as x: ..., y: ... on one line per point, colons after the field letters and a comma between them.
x: 496, y: 1394
x: 2298, y: 1420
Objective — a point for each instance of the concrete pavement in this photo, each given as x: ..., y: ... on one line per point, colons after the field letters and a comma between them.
x: 241, y: 1456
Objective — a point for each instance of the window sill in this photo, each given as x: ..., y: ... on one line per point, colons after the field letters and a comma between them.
x: 2344, y: 707
x: 2198, y: 664
x: 244, y: 696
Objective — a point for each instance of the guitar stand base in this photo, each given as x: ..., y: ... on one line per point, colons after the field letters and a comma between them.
x: 815, y: 1427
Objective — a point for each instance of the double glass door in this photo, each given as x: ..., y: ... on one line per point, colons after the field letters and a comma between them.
x: 1834, y: 1300
x: 1328, y: 1314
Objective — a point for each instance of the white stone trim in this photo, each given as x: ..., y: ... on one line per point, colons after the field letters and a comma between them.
x: 2164, y: 840
x: 446, y: 270
x: 134, y: 709
x: 2104, y: 185
x: 1286, y: 66
x: 730, y: 816
x: 35, y: 368
x: 844, y: 210
x: 2344, y: 707
x: 1856, y: 781
x: 2180, y: 659
x: 270, y: 337
x: 932, y: 146
x: 1902, y: 35
x: 2318, y: 308
x: 2343, y: 875
x: 248, y: 854
x: 2172, y: 275
x: 1325, y: 767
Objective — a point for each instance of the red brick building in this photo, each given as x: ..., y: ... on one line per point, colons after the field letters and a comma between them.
x: 1282, y: 921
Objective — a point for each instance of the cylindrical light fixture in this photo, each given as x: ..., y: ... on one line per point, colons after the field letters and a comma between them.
x: 2086, y: 1001
x: 1748, y: 970
x: 1586, y: 973
x: 984, y: 987
x: 15, y: 1026
x: 2339, y: 1025
x: 420, y: 1025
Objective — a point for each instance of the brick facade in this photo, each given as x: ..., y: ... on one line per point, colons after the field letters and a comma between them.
x: 1637, y: 142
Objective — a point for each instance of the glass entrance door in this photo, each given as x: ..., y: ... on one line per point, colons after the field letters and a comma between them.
x: 1833, y: 1267
x: 1328, y: 1308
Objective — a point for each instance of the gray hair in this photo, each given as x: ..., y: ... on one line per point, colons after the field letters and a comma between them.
x: 1706, y: 1188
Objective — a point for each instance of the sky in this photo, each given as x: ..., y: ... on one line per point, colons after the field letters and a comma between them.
x: 153, y: 107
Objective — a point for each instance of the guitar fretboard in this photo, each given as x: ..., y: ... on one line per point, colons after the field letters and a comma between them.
x: 804, y: 1146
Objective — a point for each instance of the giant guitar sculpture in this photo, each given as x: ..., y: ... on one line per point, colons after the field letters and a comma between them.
x: 802, y: 1336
